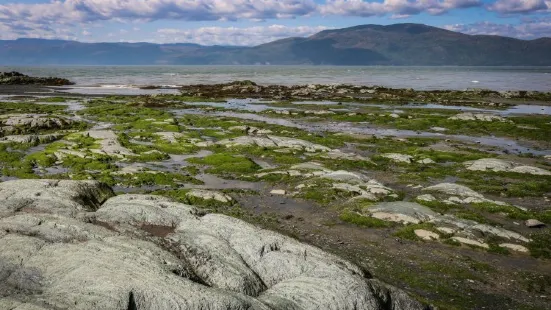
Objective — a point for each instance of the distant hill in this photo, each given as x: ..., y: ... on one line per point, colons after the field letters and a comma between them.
x: 398, y: 44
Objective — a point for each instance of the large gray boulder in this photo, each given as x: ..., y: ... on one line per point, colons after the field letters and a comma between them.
x: 62, y: 246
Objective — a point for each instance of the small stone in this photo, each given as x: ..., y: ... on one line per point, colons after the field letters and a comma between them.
x: 278, y: 192
x: 533, y: 223
x: 400, y: 158
x: 426, y: 161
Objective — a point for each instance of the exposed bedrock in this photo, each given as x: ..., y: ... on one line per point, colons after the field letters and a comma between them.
x: 74, y: 245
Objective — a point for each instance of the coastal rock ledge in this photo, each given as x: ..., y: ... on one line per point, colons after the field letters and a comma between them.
x: 75, y: 245
x: 16, y: 78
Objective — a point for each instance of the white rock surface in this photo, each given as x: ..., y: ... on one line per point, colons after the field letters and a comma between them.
x: 170, y: 137
x: 453, y: 189
x: 497, y: 165
x: 533, y: 223
x: 468, y: 116
x: 278, y: 192
x: 209, y: 195
x: 251, y: 130
x: 147, y: 252
x: 30, y: 139
x: 471, y: 242
x: 402, y: 212
x: 275, y: 142
x: 109, y: 143
x: 515, y: 247
x: 426, y: 161
x: 356, y: 183
x: 34, y: 121
x: 426, y: 197
x: 414, y: 213
x: 426, y: 234
x: 337, y: 154
x: 399, y: 158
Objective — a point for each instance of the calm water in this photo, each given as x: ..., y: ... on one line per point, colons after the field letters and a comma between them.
x: 460, y: 78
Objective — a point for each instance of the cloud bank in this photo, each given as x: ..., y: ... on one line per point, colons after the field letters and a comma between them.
x: 506, y: 7
x: 398, y: 8
x: 530, y: 29
x: 235, y: 36
x: 71, y: 19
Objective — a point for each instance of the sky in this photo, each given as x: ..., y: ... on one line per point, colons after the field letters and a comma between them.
x: 253, y: 22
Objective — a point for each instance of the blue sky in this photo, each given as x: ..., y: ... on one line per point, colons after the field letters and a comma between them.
x: 251, y: 22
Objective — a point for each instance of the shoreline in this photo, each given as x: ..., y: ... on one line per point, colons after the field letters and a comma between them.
x: 317, y: 92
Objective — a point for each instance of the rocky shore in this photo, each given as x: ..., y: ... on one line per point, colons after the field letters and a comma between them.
x: 249, y: 89
x: 16, y: 78
x: 74, y: 245
x: 222, y: 197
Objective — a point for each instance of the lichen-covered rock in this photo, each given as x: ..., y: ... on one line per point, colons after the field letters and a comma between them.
x: 170, y: 137
x: 426, y: 234
x: 209, y: 195
x: 109, y: 143
x: 274, y: 142
x: 471, y: 242
x: 497, y: 165
x: 399, y: 158
x: 23, y: 123
x: 30, y: 139
x: 453, y: 189
x: 460, y: 194
x: 358, y: 185
x: 402, y: 212
x: 468, y: 116
x: 251, y: 130
x: 52, y: 196
x: 337, y: 154
x: 533, y: 223
x: 147, y: 252
x: 515, y: 247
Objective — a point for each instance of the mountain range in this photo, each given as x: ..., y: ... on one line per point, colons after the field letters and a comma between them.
x: 398, y: 44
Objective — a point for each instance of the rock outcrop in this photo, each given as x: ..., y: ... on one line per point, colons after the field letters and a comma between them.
x: 16, y: 78
x: 468, y: 116
x: 72, y: 245
x: 25, y: 123
x: 274, y: 142
x: 498, y: 165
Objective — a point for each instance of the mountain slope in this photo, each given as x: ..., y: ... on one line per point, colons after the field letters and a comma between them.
x: 398, y: 44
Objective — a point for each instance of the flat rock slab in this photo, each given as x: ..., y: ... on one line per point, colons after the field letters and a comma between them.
x: 275, y: 142
x: 497, y: 165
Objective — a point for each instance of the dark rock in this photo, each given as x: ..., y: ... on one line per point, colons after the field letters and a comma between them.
x: 17, y: 78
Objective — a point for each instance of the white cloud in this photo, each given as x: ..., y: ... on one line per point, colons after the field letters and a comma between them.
x: 519, y: 6
x: 233, y: 35
x: 529, y: 29
x: 398, y: 8
x: 75, y: 11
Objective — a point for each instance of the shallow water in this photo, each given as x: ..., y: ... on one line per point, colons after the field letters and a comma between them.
x: 359, y: 128
x: 517, y: 109
x: 252, y: 105
x: 113, y: 79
